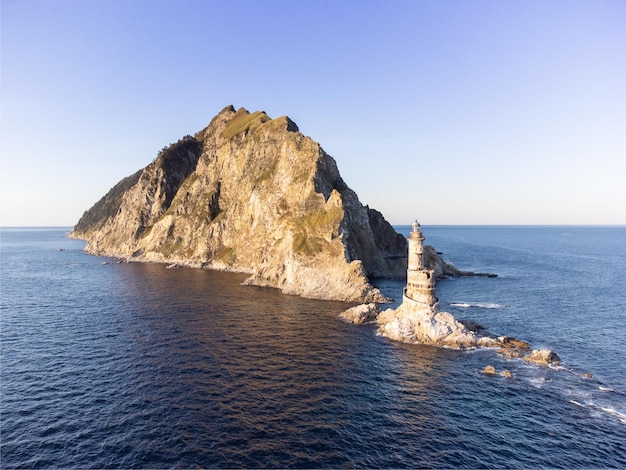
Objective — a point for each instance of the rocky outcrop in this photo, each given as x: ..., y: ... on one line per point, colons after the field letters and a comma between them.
x: 414, y: 324
x: 512, y: 348
x: 364, y: 313
x: 544, y: 357
x: 491, y: 370
x: 443, y: 269
x: 510, y: 343
x: 410, y: 323
x: 251, y: 194
x: 436, y: 263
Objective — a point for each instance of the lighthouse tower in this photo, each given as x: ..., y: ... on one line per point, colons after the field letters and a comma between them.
x: 420, y: 284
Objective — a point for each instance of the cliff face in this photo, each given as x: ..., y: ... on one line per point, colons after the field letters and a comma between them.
x: 250, y: 194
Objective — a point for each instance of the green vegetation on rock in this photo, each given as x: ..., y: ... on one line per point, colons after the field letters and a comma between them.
x: 226, y: 255
x: 242, y: 121
x: 311, y: 231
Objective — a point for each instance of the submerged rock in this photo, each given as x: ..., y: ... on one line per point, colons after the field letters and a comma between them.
x: 511, y: 353
x: 491, y: 370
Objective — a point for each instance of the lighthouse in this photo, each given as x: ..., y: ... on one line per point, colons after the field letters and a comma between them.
x: 420, y: 283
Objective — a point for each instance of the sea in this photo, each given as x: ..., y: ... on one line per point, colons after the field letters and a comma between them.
x: 134, y: 365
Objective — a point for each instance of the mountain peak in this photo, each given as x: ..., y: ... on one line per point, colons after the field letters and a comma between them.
x: 250, y: 194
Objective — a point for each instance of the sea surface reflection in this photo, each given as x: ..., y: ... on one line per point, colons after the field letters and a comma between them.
x: 139, y: 366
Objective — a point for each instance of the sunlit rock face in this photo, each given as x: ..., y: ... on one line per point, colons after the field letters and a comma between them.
x: 250, y: 194
x: 414, y: 323
x: 544, y: 357
x: 360, y: 314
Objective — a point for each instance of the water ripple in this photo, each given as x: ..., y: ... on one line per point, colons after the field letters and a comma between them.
x: 136, y: 366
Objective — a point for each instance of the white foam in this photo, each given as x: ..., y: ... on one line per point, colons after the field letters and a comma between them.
x: 596, y: 409
x: 477, y: 305
x: 490, y: 305
x: 538, y: 382
x: 614, y: 412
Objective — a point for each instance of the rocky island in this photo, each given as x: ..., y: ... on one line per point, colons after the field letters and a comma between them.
x: 252, y: 194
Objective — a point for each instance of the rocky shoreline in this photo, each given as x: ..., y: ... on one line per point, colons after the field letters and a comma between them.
x: 441, y: 329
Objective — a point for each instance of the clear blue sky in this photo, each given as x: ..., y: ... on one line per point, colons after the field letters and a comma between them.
x: 455, y: 112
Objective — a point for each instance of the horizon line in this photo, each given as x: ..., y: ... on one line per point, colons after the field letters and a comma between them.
x: 393, y: 225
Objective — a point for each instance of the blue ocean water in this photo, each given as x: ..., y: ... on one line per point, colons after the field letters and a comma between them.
x: 139, y: 366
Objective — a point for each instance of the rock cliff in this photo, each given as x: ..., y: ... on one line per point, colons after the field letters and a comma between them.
x: 251, y: 194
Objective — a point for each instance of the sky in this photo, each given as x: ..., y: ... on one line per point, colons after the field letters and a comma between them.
x: 449, y: 111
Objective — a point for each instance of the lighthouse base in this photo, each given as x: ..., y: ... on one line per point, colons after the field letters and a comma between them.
x: 414, y: 322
